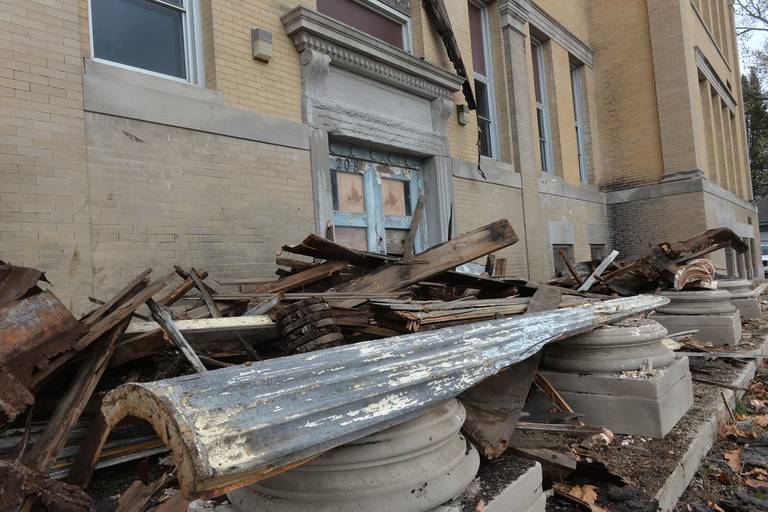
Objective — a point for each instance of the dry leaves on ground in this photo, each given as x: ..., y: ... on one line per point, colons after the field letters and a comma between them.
x: 734, y: 459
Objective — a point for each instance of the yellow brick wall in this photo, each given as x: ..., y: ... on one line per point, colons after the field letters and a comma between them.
x: 626, y: 96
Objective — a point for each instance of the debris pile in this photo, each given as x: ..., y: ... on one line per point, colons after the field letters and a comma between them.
x: 75, y: 390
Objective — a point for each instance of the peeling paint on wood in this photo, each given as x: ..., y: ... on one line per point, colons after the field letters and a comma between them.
x: 233, y: 426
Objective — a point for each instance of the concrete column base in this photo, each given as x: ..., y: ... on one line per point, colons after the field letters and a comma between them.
x: 643, y: 406
x: 522, y: 492
x: 412, y: 467
x: 720, y: 329
x: 749, y: 307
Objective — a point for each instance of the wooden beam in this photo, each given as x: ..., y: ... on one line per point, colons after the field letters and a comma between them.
x: 163, y: 317
x: 125, y: 292
x: 402, y: 273
x: 299, y: 279
x: 598, y: 271
x: 415, y: 222
x: 568, y: 264
x: 51, y: 441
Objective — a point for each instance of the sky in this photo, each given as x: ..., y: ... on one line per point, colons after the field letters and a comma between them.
x: 755, y: 41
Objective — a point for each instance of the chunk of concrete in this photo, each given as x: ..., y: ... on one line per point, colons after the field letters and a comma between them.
x: 749, y: 307
x: 511, y: 483
x: 723, y: 329
x: 647, y: 406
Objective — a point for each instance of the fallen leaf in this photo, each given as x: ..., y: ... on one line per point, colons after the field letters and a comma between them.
x: 759, y: 473
x: 757, y: 404
x: 755, y: 484
x: 761, y: 420
x: 715, y: 507
x: 480, y: 506
x: 734, y: 459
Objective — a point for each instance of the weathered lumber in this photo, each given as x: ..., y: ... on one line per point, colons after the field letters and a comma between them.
x: 163, y: 317
x: 265, y: 306
x: 586, y: 285
x: 405, y: 272
x: 137, y: 496
x: 260, y: 324
x: 280, y: 412
x: 85, y: 462
x: 127, y: 291
x: 181, y: 290
x: 495, y: 404
x: 415, y: 222
x: 569, y: 266
x: 70, y: 406
x: 25, y: 485
x: 299, y: 279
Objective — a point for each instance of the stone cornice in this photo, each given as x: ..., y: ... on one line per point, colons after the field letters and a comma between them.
x: 362, y: 54
x: 705, y: 68
x: 517, y: 12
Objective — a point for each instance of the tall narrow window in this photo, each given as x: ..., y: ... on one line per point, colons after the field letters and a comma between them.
x: 482, y: 69
x: 152, y: 35
x: 542, y: 113
x: 578, y: 119
x: 370, y: 16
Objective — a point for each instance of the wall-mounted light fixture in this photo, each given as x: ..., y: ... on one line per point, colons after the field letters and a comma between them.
x: 261, y: 44
x: 462, y: 113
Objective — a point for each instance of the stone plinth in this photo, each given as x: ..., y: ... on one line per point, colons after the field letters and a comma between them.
x: 647, y: 406
x: 415, y: 466
x: 742, y: 297
x: 622, y: 377
x: 507, y: 484
x: 708, y: 311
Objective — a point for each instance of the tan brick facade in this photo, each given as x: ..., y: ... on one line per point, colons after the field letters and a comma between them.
x: 96, y: 184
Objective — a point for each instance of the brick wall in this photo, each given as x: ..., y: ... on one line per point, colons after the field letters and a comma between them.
x: 162, y: 196
x: 44, y: 220
x: 497, y: 202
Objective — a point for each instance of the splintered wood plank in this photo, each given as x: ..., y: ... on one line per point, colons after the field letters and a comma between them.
x: 299, y: 279
x: 415, y: 222
x: 53, y: 438
x: 354, y: 238
x: 495, y: 404
x: 438, y: 259
x: 182, y: 289
x: 163, y: 317
x: 137, y: 283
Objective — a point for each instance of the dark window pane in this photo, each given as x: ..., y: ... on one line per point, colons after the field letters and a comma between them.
x: 485, y: 137
x: 141, y: 34
x: 536, y: 71
x: 481, y: 99
x: 364, y: 19
x: 476, y: 35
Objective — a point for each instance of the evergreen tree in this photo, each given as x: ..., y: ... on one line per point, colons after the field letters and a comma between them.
x: 756, y: 114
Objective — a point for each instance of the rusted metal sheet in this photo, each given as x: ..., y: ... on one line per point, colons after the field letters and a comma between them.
x: 16, y: 282
x: 698, y: 273
x: 33, y: 330
x: 230, y: 427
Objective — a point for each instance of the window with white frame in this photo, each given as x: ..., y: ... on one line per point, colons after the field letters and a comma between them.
x: 542, y: 112
x: 482, y: 68
x: 372, y: 17
x: 157, y: 36
x: 577, y: 89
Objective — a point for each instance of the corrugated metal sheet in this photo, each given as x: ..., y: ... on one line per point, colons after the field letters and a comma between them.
x: 233, y: 426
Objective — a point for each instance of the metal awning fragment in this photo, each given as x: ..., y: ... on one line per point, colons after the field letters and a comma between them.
x: 228, y: 428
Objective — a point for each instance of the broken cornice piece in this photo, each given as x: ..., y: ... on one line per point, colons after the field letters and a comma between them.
x: 231, y: 427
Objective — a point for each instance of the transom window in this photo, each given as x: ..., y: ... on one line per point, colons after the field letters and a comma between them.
x: 372, y: 17
x: 151, y: 35
x: 542, y: 111
x: 482, y: 69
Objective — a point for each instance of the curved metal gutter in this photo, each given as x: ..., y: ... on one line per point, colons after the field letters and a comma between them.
x: 230, y: 427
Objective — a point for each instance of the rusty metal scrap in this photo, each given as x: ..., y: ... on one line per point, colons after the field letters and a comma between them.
x: 17, y: 282
x: 657, y: 269
x: 230, y: 427
x: 33, y: 330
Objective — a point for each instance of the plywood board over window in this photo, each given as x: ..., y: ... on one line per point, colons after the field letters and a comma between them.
x: 373, y: 202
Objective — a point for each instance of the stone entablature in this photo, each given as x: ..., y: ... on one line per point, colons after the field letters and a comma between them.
x: 357, y: 87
